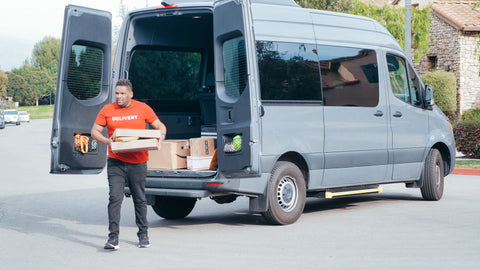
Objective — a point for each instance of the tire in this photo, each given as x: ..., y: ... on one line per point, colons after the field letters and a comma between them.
x: 433, y: 176
x: 173, y: 207
x: 286, y: 194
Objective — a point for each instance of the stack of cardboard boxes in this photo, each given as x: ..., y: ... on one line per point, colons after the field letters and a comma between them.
x: 127, y: 140
x: 193, y: 154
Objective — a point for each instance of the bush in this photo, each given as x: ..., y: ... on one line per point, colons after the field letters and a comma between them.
x: 471, y: 116
x: 444, y: 90
x: 467, y: 138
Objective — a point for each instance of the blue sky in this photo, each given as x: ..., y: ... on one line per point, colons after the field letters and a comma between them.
x: 26, y: 22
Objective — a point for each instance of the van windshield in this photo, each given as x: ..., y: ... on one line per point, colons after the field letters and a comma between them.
x: 165, y: 74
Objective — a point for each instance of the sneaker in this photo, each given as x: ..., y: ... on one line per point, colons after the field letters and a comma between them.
x: 143, y: 241
x: 112, y: 243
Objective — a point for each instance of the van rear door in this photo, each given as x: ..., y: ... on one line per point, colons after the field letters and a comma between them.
x: 236, y: 97
x: 83, y: 87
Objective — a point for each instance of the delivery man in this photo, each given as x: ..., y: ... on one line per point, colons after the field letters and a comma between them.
x: 128, y: 167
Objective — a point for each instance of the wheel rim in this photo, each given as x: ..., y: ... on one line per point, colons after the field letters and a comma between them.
x: 437, y: 175
x: 287, y: 193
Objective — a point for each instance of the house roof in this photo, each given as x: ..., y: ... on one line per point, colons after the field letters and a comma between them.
x: 460, y: 14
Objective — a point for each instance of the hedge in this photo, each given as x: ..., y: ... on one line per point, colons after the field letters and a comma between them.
x: 444, y: 90
x: 471, y: 115
x: 467, y: 138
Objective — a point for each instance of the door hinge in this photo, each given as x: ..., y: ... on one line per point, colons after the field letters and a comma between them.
x: 54, y: 143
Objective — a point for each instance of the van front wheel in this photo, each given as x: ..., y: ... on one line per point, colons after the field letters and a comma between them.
x: 433, y: 174
x: 286, y: 194
x: 173, y: 207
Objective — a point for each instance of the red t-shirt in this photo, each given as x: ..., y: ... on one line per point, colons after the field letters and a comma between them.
x: 136, y: 116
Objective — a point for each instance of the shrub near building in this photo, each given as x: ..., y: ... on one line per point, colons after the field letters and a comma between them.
x: 467, y: 134
x: 444, y: 91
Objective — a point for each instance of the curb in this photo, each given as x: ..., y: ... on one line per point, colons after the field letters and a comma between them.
x: 466, y: 171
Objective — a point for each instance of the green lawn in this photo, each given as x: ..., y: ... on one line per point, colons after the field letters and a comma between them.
x: 38, y: 112
x: 471, y: 164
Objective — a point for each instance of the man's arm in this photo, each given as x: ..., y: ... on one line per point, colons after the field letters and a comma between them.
x: 97, y: 134
x: 159, y: 125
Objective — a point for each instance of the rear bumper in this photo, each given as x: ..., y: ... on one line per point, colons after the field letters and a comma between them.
x: 201, y: 187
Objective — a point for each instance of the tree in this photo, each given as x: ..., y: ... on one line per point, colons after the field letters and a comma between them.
x: 45, y: 52
x: 40, y: 74
x: 19, y: 89
x: 3, y: 83
x: 41, y: 84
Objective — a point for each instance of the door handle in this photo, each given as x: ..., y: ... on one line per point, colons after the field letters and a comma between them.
x: 378, y: 113
x: 397, y: 114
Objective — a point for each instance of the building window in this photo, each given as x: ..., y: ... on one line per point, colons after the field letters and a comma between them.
x: 431, y: 63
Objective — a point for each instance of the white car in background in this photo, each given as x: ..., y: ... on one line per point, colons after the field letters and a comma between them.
x: 11, y: 117
x: 23, y: 116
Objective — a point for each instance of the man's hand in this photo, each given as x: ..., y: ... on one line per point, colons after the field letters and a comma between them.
x: 97, y: 134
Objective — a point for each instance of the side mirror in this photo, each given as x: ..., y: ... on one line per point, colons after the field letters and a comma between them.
x: 428, y: 97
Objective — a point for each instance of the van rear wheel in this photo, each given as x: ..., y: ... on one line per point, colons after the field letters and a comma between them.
x: 173, y: 207
x: 433, y: 176
x: 286, y: 194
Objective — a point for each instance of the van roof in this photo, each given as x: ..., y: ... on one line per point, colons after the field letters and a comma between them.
x: 330, y: 27
x: 272, y: 2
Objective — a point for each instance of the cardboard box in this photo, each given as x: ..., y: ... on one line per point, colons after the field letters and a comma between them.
x: 202, y: 147
x: 131, y: 146
x: 172, y: 155
x: 141, y: 133
x: 198, y: 163
x: 148, y: 139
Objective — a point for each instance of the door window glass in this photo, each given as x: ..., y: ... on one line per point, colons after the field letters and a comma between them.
x: 85, y: 68
x: 349, y: 76
x: 288, y: 71
x: 235, y: 66
x: 415, y: 87
x: 398, y: 77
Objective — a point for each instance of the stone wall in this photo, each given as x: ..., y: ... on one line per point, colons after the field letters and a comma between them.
x: 469, y: 79
x: 455, y: 51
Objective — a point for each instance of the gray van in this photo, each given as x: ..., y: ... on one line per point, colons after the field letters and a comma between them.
x: 325, y: 104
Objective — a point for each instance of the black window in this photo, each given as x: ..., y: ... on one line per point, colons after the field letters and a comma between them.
x: 404, y: 81
x: 398, y: 77
x: 85, y: 68
x: 415, y: 87
x: 160, y: 74
x: 235, y: 66
x: 288, y: 71
x: 349, y: 76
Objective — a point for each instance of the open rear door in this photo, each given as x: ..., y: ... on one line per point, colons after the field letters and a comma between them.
x: 236, y: 101
x: 83, y: 87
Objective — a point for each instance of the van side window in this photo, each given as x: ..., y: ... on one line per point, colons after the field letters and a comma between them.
x: 349, y: 76
x: 398, y: 77
x: 415, y: 87
x: 288, y: 71
x: 235, y: 66
x: 157, y: 73
x: 85, y: 68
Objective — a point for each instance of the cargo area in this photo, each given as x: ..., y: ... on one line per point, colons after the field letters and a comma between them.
x: 171, y: 66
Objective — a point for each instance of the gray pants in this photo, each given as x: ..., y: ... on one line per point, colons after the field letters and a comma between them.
x: 120, y: 174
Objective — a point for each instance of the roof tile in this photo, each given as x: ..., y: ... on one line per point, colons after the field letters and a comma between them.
x: 463, y: 15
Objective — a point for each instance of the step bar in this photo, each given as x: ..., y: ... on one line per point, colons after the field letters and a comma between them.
x: 333, y: 194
